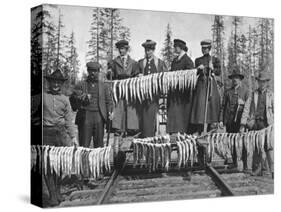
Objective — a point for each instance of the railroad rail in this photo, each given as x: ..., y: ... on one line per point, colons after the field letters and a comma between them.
x: 130, y: 184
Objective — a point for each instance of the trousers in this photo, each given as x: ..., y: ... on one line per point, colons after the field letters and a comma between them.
x: 92, y: 127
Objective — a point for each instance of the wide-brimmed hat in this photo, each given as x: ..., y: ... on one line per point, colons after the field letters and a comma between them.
x: 93, y: 66
x: 122, y: 44
x: 206, y: 43
x: 236, y: 73
x: 263, y: 76
x: 180, y: 43
x: 149, y: 44
x: 56, y: 75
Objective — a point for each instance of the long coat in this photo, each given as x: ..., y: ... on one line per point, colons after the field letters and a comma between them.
x: 178, y: 102
x: 78, y: 104
x: 125, y: 110
x: 199, y: 98
x: 231, y: 114
x: 149, y: 108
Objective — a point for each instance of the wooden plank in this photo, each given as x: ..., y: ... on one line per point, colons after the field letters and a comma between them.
x: 165, y: 197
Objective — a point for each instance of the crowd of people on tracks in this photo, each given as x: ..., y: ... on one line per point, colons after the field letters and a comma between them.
x: 91, y: 99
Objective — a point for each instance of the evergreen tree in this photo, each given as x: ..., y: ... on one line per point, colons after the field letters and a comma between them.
x: 167, y: 50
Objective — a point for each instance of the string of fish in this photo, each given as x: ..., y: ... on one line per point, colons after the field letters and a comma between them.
x: 66, y: 161
x: 225, y: 144
x: 145, y: 87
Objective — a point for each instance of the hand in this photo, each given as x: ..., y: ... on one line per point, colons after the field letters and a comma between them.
x: 242, y: 129
x: 74, y: 142
x: 211, y: 66
x: 140, y: 75
x: 221, y: 125
x: 110, y: 115
x: 201, y: 66
x: 241, y: 101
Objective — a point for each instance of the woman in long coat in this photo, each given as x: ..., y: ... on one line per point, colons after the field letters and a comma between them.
x: 179, y: 102
x: 125, y: 118
x: 149, y: 108
x: 205, y: 64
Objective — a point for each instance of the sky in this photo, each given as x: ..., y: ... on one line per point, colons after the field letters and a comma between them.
x: 143, y: 24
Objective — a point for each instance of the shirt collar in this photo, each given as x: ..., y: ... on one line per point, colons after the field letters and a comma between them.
x: 181, y: 55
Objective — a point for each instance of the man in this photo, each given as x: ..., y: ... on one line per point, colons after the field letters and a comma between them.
x: 58, y: 129
x: 257, y: 115
x: 93, y: 101
x: 207, y: 67
x: 233, y: 102
x: 125, y: 119
x: 179, y: 102
x: 232, y: 107
x: 149, y: 108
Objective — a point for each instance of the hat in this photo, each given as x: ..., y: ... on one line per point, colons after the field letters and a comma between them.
x: 206, y: 43
x: 263, y: 76
x: 236, y: 73
x: 93, y: 66
x: 180, y: 43
x: 150, y: 44
x: 122, y: 44
x: 56, y: 75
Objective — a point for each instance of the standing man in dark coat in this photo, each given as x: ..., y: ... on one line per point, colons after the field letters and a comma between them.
x: 149, y: 108
x: 58, y: 129
x: 179, y: 102
x: 93, y: 101
x: 232, y: 108
x: 125, y: 119
x: 207, y: 65
x: 233, y: 102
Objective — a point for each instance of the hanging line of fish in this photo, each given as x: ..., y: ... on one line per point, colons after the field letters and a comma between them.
x: 67, y: 161
x: 187, y: 150
x: 224, y: 144
x: 146, y: 87
x: 156, y: 151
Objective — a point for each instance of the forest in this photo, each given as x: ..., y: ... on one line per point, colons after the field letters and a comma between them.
x: 250, y: 50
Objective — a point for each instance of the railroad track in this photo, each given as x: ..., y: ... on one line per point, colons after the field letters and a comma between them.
x: 136, y: 184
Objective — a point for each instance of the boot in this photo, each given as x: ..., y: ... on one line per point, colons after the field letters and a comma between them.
x: 258, y: 171
x: 53, y: 197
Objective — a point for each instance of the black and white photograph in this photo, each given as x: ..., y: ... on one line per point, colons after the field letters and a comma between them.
x: 133, y: 105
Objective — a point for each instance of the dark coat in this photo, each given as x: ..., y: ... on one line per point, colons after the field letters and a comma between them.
x: 199, y: 98
x: 230, y: 105
x: 179, y: 102
x: 78, y: 103
x: 149, y: 109
x: 125, y: 110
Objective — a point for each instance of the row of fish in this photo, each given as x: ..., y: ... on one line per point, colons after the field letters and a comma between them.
x: 145, y: 87
x: 155, y: 152
x: 67, y: 161
x: 186, y: 150
x: 225, y: 144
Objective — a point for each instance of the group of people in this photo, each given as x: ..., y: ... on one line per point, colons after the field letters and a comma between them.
x: 186, y: 110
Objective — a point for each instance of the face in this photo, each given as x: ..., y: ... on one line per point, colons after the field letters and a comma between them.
x: 205, y: 50
x: 123, y: 51
x: 177, y: 49
x: 262, y: 84
x: 55, y: 85
x: 236, y: 81
x: 149, y: 52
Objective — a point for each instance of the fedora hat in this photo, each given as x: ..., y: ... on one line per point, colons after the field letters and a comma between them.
x: 263, y: 76
x: 236, y: 73
x: 150, y: 44
x: 56, y: 75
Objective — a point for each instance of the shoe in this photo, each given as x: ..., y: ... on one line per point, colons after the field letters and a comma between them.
x: 257, y: 172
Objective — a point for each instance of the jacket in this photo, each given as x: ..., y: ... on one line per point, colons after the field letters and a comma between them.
x: 248, y: 115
